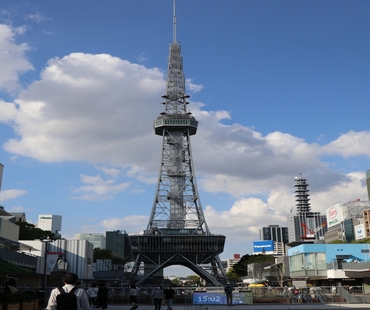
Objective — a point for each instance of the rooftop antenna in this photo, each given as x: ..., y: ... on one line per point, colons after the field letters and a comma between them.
x: 174, y: 21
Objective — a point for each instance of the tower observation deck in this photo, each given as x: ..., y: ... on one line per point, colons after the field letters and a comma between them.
x: 177, y: 232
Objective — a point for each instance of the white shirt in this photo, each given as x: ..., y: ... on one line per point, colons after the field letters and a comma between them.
x: 92, y: 292
x: 82, y: 299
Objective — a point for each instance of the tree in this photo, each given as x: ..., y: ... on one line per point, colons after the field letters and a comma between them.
x: 102, y: 254
x: 241, y: 267
x: 28, y: 231
x: 176, y: 282
x: 232, y: 275
x: 193, y: 280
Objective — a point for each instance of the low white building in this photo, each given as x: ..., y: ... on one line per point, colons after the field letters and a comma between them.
x: 63, y: 256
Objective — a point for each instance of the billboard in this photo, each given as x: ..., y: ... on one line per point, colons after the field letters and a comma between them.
x: 334, y: 215
x: 259, y: 246
x: 360, y: 232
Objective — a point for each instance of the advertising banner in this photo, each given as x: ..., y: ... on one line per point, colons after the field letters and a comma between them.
x: 51, y: 259
x: 334, y: 215
x: 259, y: 246
x: 360, y: 232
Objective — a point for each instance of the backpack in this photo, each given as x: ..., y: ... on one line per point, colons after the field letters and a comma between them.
x: 66, y: 301
x: 228, y: 289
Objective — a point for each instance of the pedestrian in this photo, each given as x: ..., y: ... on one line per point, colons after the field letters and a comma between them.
x: 69, y: 280
x: 92, y: 292
x: 133, y: 297
x: 102, y: 295
x: 169, y: 295
x: 10, y: 286
x: 333, y: 290
x: 158, y: 296
x: 229, y: 294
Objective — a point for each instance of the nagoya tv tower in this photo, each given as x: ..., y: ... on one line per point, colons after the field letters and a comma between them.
x: 177, y: 232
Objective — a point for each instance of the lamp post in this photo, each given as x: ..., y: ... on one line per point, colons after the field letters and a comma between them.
x: 46, y: 241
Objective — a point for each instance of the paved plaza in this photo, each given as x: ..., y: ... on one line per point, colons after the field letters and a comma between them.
x: 246, y: 307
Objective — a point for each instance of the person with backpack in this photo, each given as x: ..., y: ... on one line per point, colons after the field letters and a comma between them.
x: 68, y: 297
x: 229, y: 294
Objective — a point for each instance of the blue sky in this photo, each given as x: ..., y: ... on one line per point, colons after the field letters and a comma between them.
x: 278, y: 87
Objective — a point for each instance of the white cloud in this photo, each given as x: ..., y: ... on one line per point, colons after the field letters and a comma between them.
x: 195, y: 88
x: 38, y: 18
x: 100, y: 109
x: 113, y: 172
x: 88, y: 104
x: 12, y: 58
x: 98, y: 189
x: 11, y: 194
x: 350, y: 144
x: 133, y: 224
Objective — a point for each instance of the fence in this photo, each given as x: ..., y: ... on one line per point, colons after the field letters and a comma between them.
x: 310, y: 295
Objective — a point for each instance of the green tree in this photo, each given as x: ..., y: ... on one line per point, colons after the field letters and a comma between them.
x: 232, y: 275
x: 241, y: 267
x: 176, y: 282
x: 193, y: 280
x: 28, y: 231
x: 102, y: 254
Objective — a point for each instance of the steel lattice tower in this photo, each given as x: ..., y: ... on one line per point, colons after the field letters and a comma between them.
x: 177, y: 232
x: 302, y: 194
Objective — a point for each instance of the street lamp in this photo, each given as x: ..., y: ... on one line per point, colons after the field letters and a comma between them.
x: 46, y: 241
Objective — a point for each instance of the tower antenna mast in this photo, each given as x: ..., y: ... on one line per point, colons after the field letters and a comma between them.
x: 174, y: 21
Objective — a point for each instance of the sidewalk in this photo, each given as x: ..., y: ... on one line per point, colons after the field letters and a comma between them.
x: 246, y: 307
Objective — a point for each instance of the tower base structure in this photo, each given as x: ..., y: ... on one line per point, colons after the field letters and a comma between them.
x: 179, y: 247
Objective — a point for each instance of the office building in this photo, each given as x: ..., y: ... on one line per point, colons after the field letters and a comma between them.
x: 118, y: 242
x: 275, y: 233
x: 50, y: 222
x: 98, y: 240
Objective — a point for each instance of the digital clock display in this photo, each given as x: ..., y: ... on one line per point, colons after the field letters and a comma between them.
x: 220, y: 298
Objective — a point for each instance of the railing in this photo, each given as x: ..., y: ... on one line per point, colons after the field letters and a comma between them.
x: 263, y: 295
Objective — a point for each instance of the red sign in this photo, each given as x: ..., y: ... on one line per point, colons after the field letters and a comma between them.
x: 333, y: 212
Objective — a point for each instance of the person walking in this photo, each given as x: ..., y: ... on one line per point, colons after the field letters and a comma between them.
x: 158, y: 296
x: 229, y: 294
x: 92, y: 292
x: 133, y: 296
x: 102, y: 295
x: 69, y: 280
x: 169, y: 295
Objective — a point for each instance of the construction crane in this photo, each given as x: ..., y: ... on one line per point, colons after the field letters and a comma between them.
x: 311, y: 234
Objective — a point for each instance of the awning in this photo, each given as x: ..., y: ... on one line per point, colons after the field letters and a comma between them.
x: 10, y: 267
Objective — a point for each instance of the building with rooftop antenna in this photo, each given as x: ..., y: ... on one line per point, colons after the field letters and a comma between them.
x: 305, y: 225
x: 177, y: 232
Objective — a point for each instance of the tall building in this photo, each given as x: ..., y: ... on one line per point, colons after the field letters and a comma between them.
x: 177, y: 232
x: 275, y: 233
x: 50, y: 222
x: 118, y: 242
x: 305, y: 225
x: 97, y: 239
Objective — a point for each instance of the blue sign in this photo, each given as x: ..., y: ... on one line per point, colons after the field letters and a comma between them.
x: 259, y: 246
x: 220, y: 298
